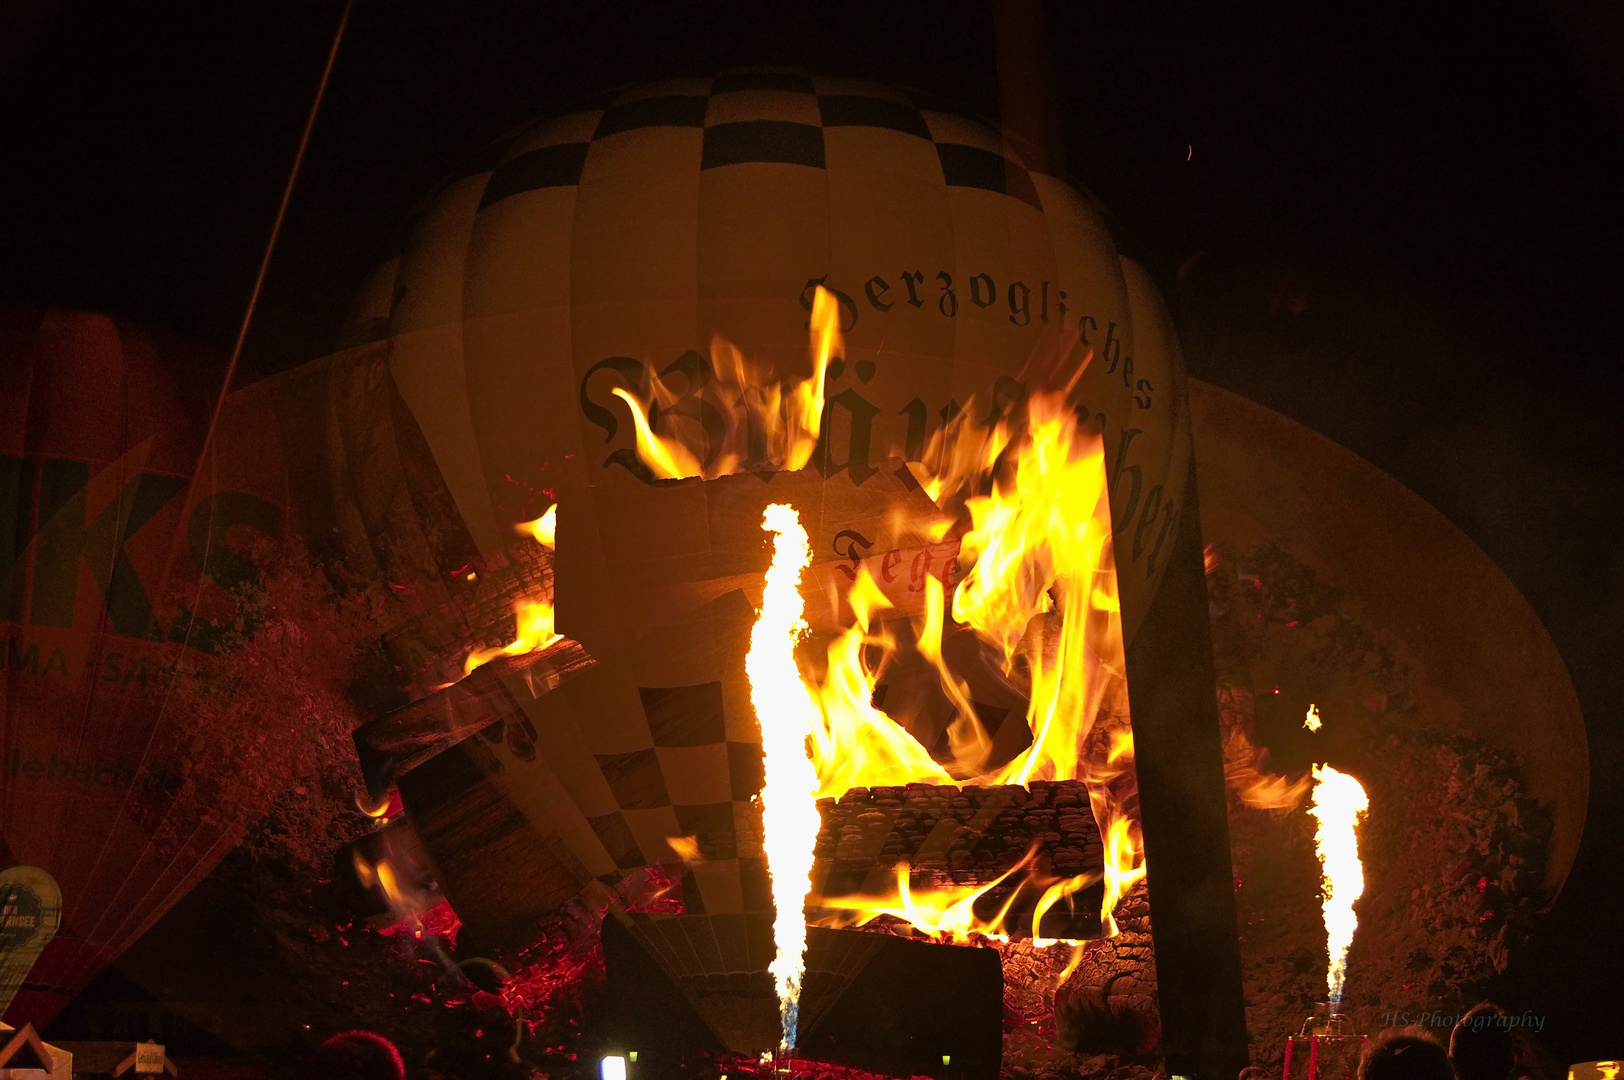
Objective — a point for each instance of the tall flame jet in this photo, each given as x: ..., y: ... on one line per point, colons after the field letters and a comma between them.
x: 785, y: 710
x: 1339, y: 803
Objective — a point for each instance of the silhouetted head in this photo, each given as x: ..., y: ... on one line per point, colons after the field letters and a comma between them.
x: 1481, y: 1046
x: 356, y: 1055
x: 1406, y: 1054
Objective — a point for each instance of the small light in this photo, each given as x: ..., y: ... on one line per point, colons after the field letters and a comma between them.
x: 947, y: 1059
x: 612, y: 1067
x: 631, y: 1056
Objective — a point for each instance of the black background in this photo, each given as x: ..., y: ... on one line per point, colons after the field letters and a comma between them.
x: 1398, y: 223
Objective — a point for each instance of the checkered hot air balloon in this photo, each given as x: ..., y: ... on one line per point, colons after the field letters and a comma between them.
x: 618, y: 244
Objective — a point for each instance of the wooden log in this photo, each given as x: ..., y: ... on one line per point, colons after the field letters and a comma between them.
x: 497, y: 842
x: 959, y: 838
x: 404, y: 738
x: 426, y: 650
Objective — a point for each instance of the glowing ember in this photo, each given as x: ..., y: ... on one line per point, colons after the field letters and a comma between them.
x: 1338, y: 804
x: 786, y: 713
x: 535, y: 631
x: 1312, y: 720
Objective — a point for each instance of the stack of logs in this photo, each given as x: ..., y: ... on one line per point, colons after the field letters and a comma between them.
x: 965, y: 837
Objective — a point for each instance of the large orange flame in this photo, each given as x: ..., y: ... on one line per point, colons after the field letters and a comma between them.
x: 774, y: 426
x: 1039, y: 591
x: 1042, y: 592
x: 534, y: 619
x: 853, y: 743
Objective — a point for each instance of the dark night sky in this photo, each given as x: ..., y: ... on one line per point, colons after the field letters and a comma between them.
x: 1434, y: 187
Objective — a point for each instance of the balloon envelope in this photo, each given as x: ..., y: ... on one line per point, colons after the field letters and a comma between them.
x: 117, y: 596
x: 639, y: 241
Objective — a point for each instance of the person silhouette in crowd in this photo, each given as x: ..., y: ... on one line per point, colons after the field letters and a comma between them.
x: 1405, y: 1054
x: 356, y: 1055
x: 1483, y: 1046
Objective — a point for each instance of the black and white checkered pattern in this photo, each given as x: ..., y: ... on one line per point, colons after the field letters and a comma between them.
x: 745, y: 117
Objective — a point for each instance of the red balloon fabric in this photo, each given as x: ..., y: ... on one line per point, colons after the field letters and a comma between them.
x: 121, y: 588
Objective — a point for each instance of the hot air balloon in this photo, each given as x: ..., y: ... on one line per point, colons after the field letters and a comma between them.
x: 637, y: 245
x: 122, y: 570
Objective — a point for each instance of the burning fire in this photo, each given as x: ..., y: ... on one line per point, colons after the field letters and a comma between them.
x: 1312, y: 720
x: 544, y: 529
x: 777, y: 426
x: 533, y: 618
x: 1042, y: 593
x: 1039, y: 596
x: 404, y: 902
x: 1041, y: 541
x: 1339, y: 802
x: 789, y: 809
x: 535, y: 631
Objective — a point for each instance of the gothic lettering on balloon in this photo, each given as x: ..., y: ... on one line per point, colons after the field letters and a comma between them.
x: 1020, y: 303
x: 632, y: 373
x: 919, y: 571
x: 688, y: 389
x: 852, y: 539
x: 859, y: 425
x: 635, y: 375
x: 948, y: 302
x: 875, y: 289
x: 1111, y: 351
x: 1170, y: 516
x: 1019, y: 295
x: 1123, y: 508
x: 912, y: 280
x: 908, y: 568
x: 979, y: 297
